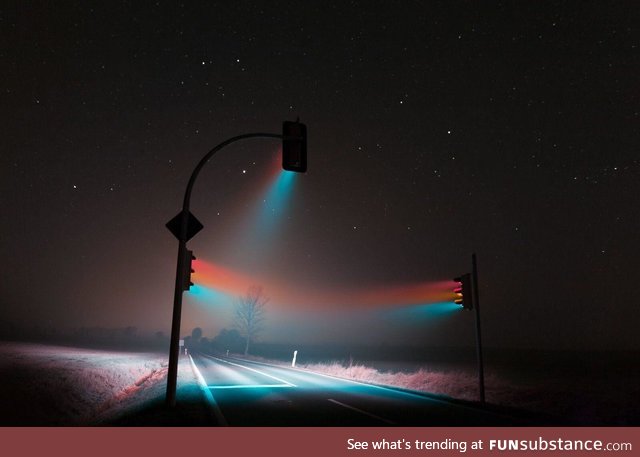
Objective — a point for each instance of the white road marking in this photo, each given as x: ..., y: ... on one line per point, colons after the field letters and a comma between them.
x: 208, y: 395
x: 352, y: 381
x: 390, y: 389
x: 362, y: 412
x: 249, y: 386
x: 254, y: 370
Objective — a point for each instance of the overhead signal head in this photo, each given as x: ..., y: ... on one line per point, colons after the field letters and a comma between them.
x: 294, y: 146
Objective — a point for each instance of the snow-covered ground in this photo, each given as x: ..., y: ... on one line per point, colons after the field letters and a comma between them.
x: 54, y: 385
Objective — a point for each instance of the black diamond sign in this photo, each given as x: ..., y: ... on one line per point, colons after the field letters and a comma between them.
x: 193, y: 225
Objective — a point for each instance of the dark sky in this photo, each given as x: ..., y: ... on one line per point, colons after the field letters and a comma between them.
x: 436, y: 129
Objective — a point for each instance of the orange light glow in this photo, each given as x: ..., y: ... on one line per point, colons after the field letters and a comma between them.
x: 284, y: 296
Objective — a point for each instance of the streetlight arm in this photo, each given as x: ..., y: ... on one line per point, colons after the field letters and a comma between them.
x: 205, y: 159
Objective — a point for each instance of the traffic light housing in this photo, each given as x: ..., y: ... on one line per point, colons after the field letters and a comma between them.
x: 294, y: 146
x: 187, y: 269
x: 463, y: 291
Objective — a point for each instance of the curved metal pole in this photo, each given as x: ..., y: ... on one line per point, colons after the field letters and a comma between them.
x: 205, y: 159
x: 174, y: 348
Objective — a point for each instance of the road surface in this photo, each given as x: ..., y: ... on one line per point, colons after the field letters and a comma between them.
x: 244, y: 393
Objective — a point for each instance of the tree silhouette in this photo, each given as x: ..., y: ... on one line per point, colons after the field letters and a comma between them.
x: 194, y: 339
x: 228, y: 340
x: 249, y: 310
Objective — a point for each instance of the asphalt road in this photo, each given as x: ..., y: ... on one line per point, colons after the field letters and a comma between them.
x: 244, y: 393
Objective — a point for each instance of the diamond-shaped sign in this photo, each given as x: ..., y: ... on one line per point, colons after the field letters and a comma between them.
x: 193, y: 225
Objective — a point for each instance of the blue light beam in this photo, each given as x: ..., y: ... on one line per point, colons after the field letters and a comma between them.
x: 275, y: 204
x: 208, y: 295
x: 259, y: 235
x: 431, y: 311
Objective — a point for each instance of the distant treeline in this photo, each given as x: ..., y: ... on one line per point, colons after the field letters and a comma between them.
x: 125, y: 338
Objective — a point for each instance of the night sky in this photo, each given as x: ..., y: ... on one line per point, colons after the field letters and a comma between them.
x: 436, y: 129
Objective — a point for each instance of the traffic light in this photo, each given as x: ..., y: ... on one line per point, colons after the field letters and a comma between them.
x: 462, y: 291
x: 294, y: 146
x: 187, y: 269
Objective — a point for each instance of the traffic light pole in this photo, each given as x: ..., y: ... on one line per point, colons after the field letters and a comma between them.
x: 174, y: 348
x: 476, y: 302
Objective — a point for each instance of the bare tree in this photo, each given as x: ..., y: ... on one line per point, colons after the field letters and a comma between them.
x: 249, y: 314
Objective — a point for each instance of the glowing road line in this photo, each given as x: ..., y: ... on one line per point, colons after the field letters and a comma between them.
x: 361, y: 411
x: 253, y: 369
x: 250, y: 386
x: 208, y: 395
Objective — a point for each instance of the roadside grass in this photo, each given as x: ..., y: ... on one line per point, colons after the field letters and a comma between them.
x: 55, y: 386
x: 456, y: 384
x: 580, y: 401
x: 575, y: 398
